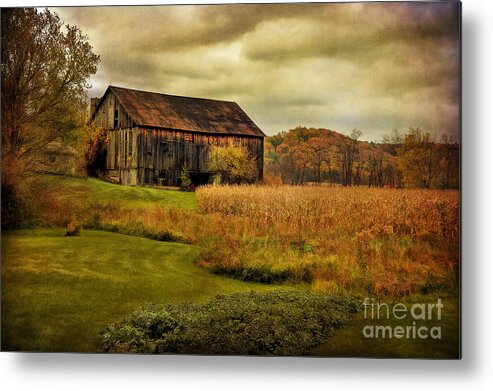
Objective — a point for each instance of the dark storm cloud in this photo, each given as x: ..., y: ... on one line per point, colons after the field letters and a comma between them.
x: 375, y: 66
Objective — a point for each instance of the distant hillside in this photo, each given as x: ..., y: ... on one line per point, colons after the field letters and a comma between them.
x: 317, y: 155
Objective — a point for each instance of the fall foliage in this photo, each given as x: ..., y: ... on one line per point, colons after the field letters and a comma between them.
x: 413, y: 160
x: 232, y: 165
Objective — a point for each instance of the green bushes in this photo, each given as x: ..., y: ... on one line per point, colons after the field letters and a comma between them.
x: 273, y: 323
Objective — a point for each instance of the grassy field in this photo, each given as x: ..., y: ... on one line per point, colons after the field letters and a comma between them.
x: 94, y: 190
x: 59, y: 292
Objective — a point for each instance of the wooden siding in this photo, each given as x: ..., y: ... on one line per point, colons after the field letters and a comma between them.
x: 121, y: 158
x: 162, y: 154
x: 105, y: 115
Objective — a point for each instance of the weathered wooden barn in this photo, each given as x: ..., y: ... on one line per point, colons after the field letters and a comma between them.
x: 153, y: 135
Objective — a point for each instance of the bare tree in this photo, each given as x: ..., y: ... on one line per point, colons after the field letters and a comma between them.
x: 348, y: 151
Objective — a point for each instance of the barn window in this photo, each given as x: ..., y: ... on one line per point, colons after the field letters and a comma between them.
x: 130, y: 143
x: 115, y: 122
x: 188, y: 137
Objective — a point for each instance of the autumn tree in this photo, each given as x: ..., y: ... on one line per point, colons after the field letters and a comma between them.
x: 233, y: 165
x: 413, y: 159
x: 321, y: 156
x: 418, y: 159
x: 449, y: 156
x: 303, y: 156
x: 391, y: 145
x: 348, y: 149
x: 45, y: 69
x: 360, y: 164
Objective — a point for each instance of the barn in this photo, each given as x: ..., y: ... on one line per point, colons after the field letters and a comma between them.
x: 151, y: 136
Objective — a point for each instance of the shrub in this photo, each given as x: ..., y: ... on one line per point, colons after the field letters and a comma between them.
x: 73, y: 228
x: 185, y: 181
x: 233, y: 165
x: 284, y: 323
x: 17, y: 208
x: 272, y: 180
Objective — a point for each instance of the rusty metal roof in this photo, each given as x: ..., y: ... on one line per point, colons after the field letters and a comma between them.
x: 152, y: 109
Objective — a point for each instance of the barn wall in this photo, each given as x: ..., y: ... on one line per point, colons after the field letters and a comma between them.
x: 162, y: 154
x: 121, y: 158
x: 105, y: 116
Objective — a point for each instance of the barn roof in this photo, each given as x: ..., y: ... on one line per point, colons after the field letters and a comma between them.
x: 152, y: 109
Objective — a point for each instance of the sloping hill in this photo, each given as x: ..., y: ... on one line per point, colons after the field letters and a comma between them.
x: 93, y: 189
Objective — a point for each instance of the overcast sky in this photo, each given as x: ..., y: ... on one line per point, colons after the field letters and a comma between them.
x: 373, y: 66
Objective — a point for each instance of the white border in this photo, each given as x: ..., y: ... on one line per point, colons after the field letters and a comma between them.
x: 114, y: 372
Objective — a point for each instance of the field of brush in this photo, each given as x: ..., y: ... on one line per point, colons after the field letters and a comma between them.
x: 379, y: 242
x: 58, y: 293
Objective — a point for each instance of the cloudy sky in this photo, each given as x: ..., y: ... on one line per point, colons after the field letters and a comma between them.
x: 373, y: 66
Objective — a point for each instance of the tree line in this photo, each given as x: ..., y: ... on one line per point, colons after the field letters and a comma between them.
x: 414, y: 159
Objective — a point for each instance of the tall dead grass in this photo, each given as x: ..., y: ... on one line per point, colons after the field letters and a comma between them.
x: 384, y: 242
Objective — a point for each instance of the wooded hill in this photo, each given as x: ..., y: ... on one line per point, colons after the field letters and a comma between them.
x: 416, y: 159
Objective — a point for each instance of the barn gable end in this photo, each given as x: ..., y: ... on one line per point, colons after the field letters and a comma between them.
x: 152, y: 135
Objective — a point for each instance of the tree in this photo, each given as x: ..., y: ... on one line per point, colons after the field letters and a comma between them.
x: 449, y: 154
x: 348, y: 151
x: 322, y: 156
x: 417, y: 159
x: 234, y: 165
x: 45, y: 69
x: 303, y: 156
x: 96, y: 152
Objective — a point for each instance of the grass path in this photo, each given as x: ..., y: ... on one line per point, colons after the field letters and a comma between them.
x: 59, y: 292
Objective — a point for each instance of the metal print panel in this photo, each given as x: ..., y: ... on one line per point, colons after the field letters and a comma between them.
x: 239, y: 179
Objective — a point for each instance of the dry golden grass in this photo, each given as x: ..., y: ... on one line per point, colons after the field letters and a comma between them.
x: 384, y: 242
x: 315, y: 210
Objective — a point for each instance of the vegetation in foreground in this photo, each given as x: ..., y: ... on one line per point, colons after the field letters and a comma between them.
x: 275, y: 323
x: 59, y: 292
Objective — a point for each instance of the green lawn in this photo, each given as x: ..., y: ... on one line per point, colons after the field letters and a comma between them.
x: 130, y: 196
x: 59, y: 292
